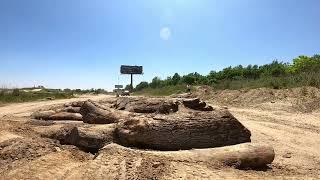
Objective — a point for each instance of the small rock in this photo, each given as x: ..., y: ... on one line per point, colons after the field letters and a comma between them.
x: 272, y: 102
x: 287, y: 155
x: 57, y: 149
x: 157, y: 164
x: 225, y: 107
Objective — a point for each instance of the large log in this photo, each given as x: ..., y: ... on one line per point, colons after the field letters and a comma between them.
x: 143, y: 105
x: 74, y: 104
x: 94, y: 114
x: 247, y: 155
x: 43, y: 115
x: 87, y: 137
x: 52, y: 115
x: 71, y: 109
x: 66, y: 116
x: 182, y: 131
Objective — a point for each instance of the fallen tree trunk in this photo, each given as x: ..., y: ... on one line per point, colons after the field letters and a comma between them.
x: 247, y: 155
x: 72, y: 109
x: 94, y: 114
x: 87, y: 137
x: 143, y: 105
x: 196, y: 104
x: 91, y: 139
x: 66, y: 116
x: 183, y: 131
x: 43, y: 115
x: 74, y: 104
x: 52, y: 115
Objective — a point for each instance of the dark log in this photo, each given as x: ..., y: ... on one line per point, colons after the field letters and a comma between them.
x: 93, y: 114
x: 196, y: 104
x: 181, y: 131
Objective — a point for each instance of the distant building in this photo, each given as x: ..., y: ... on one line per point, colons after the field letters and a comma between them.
x: 39, y: 87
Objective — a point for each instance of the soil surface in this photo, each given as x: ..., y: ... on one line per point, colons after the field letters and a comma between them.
x: 295, y: 135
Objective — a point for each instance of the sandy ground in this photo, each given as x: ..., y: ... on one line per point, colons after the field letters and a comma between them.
x: 294, y: 136
x: 25, y: 109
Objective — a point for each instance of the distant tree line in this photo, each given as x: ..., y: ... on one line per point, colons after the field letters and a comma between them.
x: 303, y: 71
x: 85, y: 91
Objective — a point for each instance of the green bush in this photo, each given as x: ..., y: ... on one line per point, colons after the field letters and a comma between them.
x: 303, y: 71
x: 16, y: 92
x: 20, y: 96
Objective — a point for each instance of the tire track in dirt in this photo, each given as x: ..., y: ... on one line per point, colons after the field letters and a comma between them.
x: 296, y: 144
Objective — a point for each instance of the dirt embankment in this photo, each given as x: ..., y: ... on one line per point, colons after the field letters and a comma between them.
x: 302, y: 99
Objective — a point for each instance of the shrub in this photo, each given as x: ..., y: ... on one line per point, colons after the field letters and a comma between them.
x: 16, y: 92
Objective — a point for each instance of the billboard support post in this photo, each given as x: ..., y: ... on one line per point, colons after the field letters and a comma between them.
x: 131, y: 70
x: 131, y: 85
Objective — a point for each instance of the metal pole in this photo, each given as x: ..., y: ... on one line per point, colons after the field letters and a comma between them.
x: 131, y: 82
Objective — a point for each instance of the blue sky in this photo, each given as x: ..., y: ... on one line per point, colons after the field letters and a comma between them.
x: 81, y: 44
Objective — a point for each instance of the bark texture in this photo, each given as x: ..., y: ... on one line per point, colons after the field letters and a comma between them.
x: 66, y: 116
x: 143, y: 105
x: 94, y: 114
x: 52, y: 115
x: 183, y: 131
x: 89, y: 137
x: 196, y: 104
x: 72, y: 109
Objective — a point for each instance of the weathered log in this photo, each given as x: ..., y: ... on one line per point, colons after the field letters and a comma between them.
x: 93, y: 114
x: 52, y: 115
x: 183, y: 131
x: 122, y: 102
x: 66, y: 116
x: 88, y: 137
x: 247, y: 155
x: 143, y: 105
x: 71, y: 109
x: 42, y: 115
x: 74, y: 104
x: 196, y: 104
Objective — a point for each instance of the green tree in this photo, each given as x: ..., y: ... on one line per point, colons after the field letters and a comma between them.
x: 305, y: 64
x: 156, y: 82
x: 141, y: 86
x: 176, y: 79
x: 189, y: 79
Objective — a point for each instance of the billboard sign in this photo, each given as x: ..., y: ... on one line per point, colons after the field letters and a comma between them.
x: 118, y: 86
x: 131, y: 69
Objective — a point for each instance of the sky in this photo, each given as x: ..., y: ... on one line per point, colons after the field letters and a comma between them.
x: 82, y: 44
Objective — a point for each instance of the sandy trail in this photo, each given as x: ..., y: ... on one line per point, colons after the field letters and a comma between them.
x: 294, y: 136
x: 25, y: 109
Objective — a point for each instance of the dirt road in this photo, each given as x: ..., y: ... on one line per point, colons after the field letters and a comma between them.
x: 294, y: 136
x: 25, y: 109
